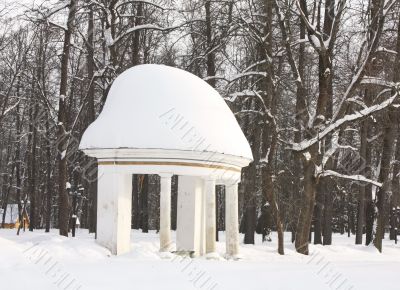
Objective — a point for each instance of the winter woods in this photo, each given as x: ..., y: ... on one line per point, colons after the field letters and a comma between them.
x: 313, y: 84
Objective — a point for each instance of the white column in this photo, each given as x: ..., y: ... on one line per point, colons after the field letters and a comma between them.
x: 114, y: 205
x: 231, y: 220
x: 165, y: 212
x: 211, y: 222
x: 190, y: 228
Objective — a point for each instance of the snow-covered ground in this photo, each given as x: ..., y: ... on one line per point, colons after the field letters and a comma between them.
x: 48, y: 261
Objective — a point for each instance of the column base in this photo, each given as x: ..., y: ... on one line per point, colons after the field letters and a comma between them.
x: 166, y: 255
x: 236, y: 257
x: 213, y: 256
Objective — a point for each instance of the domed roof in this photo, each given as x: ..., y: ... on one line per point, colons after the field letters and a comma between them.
x: 159, y: 107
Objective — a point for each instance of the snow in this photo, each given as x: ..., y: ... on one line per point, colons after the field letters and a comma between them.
x: 307, y: 155
x: 314, y: 40
x: 367, y: 80
x: 8, y: 110
x: 49, y: 261
x: 340, y: 122
x: 249, y: 73
x: 360, y: 178
x: 160, y: 107
x: 384, y: 49
x: 111, y: 42
x: 108, y: 38
x: 245, y: 93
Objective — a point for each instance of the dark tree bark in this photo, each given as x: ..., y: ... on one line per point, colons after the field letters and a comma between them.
x: 328, y: 213
x: 18, y: 157
x: 395, y: 183
x: 318, y: 213
x: 361, y: 207
x: 135, y: 223
x: 395, y: 199
x: 143, y: 202
x: 91, y: 116
x: 136, y: 36
x: 49, y: 188
x: 270, y: 134
x: 304, y: 223
x: 250, y: 222
x: 62, y: 136
x: 210, y: 46
x: 32, y: 176
x: 391, y: 122
x: 174, y: 202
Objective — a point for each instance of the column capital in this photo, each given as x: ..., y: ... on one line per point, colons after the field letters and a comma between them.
x: 165, y: 175
x: 230, y: 183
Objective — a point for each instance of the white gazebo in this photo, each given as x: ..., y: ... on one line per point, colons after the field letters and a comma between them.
x: 166, y: 121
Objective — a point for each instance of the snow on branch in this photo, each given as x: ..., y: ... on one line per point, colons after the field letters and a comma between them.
x: 8, y: 110
x: 315, y: 37
x: 385, y: 50
x: 343, y: 121
x: 249, y: 112
x: 377, y: 82
x: 250, y: 73
x: 243, y: 94
x: 133, y: 29
x: 56, y: 25
x: 254, y: 65
x: 350, y: 177
x: 215, y: 78
x: 141, y: 1
x: 112, y: 42
x: 357, y: 78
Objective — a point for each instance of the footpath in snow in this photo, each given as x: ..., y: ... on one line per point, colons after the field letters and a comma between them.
x: 48, y: 261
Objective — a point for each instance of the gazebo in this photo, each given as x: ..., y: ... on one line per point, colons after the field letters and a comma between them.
x: 166, y: 121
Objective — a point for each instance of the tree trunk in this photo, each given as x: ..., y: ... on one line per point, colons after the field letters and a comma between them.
x: 135, y: 223
x: 395, y: 199
x: 361, y: 207
x: 62, y: 136
x: 318, y: 213
x: 383, y: 192
x: 390, y: 133
x: 91, y: 116
x: 210, y: 54
x: 32, y: 179
x: 49, y: 189
x: 306, y: 211
x: 174, y: 202
x: 143, y: 199
x: 328, y: 213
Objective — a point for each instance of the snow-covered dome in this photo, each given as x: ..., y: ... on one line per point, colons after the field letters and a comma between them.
x: 159, y: 107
